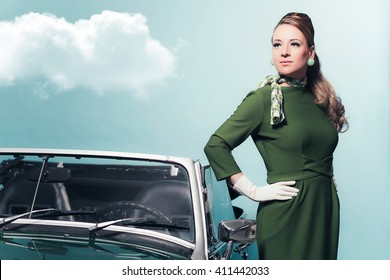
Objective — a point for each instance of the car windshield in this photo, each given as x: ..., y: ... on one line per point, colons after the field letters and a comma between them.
x: 99, y: 190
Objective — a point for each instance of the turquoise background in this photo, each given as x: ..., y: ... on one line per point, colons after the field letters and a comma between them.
x: 221, y: 50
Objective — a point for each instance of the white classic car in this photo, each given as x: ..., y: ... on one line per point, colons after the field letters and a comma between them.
x: 71, y: 204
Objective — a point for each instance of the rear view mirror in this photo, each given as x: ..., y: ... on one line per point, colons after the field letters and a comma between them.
x: 51, y: 175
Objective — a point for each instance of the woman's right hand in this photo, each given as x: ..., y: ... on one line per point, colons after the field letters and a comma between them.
x: 276, y: 191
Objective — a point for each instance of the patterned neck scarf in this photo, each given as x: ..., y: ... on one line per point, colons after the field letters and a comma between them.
x: 277, y: 114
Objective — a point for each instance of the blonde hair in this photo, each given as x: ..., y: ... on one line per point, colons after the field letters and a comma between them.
x: 324, y: 93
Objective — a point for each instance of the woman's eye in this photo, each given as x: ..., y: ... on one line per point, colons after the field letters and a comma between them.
x: 276, y: 45
x: 295, y: 44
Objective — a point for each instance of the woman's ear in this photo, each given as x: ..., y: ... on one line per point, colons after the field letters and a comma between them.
x: 312, y: 52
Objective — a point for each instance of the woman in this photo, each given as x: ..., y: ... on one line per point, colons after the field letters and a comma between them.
x: 293, y: 118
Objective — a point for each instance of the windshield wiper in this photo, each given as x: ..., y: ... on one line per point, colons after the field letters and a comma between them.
x: 134, y: 222
x: 48, y: 212
x: 59, y: 213
x: 153, y: 223
x: 8, y: 220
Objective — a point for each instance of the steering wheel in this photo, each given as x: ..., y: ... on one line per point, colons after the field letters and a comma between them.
x: 125, y: 209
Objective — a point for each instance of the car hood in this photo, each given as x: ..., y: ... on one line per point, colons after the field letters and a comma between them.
x: 48, y: 248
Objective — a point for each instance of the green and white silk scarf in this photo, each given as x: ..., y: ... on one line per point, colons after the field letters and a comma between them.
x: 277, y: 114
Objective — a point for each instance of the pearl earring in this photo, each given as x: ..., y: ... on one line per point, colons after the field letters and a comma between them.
x: 272, y: 61
x: 310, y: 62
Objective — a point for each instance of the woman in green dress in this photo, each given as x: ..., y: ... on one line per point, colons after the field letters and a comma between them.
x: 294, y: 118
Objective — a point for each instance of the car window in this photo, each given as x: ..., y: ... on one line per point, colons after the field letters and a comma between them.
x: 100, y: 189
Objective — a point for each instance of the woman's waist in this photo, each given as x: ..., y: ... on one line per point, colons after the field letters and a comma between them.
x: 295, y: 175
x: 309, y: 169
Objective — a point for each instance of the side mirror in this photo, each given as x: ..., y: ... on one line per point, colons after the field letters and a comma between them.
x: 241, y: 231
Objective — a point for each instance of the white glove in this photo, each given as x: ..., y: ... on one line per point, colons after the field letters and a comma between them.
x: 276, y: 191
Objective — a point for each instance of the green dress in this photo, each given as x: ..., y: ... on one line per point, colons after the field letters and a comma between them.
x: 300, y: 149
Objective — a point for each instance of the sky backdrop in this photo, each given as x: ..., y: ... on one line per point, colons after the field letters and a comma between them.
x: 161, y: 76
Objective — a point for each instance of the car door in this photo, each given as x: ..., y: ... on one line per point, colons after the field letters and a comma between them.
x: 218, y: 207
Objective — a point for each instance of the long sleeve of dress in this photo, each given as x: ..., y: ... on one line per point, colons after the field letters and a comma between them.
x: 246, y: 119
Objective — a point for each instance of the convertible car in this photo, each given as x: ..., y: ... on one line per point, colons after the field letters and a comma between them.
x: 71, y: 204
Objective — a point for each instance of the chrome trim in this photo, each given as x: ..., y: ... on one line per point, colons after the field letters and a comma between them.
x: 93, y: 153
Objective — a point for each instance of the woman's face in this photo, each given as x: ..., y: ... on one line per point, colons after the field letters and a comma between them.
x: 290, y: 51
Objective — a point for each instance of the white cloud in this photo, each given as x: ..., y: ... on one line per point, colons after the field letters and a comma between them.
x: 109, y: 51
